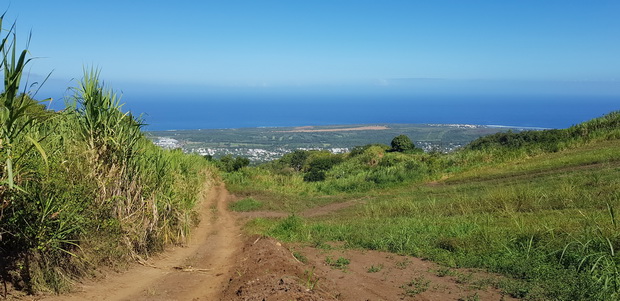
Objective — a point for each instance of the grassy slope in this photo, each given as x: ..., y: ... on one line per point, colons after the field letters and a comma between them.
x: 547, y: 221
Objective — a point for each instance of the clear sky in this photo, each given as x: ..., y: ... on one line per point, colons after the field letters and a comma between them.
x: 537, y: 46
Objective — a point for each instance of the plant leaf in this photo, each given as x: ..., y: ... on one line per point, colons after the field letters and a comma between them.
x: 39, y: 148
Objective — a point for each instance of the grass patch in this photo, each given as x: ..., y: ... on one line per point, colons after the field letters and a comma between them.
x: 444, y: 271
x: 311, y: 281
x: 341, y: 263
x: 375, y: 269
x: 300, y: 257
x: 547, y: 222
x: 245, y: 205
x: 416, y: 286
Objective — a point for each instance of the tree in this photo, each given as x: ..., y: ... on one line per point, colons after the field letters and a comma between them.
x: 402, y: 143
x: 240, y: 162
x: 319, y: 167
x: 298, y: 159
x: 230, y: 164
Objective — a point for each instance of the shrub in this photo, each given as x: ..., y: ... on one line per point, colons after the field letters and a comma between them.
x: 230, y: 164
x: 315, y: 176
x: 402, y: 143
x: 318, y: 167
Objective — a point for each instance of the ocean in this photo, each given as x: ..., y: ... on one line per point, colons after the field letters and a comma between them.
x: 240, y: 111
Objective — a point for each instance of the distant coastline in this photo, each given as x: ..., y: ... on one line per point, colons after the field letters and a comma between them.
x: 252, y: 111
x: 353, y: 127
x: 535, y: 128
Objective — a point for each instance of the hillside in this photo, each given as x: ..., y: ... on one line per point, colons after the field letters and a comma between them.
x: 93, y: 207
x: 537, y: 207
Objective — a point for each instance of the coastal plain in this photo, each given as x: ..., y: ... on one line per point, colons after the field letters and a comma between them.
x: 263, y: 144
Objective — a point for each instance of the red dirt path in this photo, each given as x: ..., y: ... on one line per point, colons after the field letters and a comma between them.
x: 219, y: 263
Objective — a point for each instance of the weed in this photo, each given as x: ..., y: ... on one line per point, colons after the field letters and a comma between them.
x: 311, y: 280
x: 321, y: 245
x: 341, y: 263
x: 301, y: 257
x: 375, y: 269
x: 481, y: 284
x: 444, y: 271
x: 416, y: 286
x: 462, y: 278
x: 471, y: 297
x: 401, y: 265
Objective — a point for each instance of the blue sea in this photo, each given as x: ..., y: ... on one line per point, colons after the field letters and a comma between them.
x: 239, y: 111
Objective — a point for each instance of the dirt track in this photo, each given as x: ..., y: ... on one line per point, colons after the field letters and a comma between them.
x: 196, y: 272
x: 221, y: 264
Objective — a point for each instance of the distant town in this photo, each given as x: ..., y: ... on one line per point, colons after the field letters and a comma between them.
x: 258, y: 155
x: 266, y: 144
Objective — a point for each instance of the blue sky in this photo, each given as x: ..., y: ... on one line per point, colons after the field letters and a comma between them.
x: 536, y: 47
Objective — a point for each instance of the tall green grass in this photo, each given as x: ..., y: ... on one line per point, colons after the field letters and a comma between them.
x: 548, y: 224
x: 83, y: 187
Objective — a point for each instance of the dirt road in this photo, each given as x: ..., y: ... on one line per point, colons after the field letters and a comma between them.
x: 197, y: 271
x: 220, y: 264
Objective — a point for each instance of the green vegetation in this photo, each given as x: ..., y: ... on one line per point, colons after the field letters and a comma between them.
x: 375, y: 269
x: 606, y: 127
x: 287, y: 137
x: 416, y: 286
x: 300, y: 257
x: 229, y: 163
x: 341, y: 263
x: 248, y: 204
x: 82, y: 187
x: 539, y: 207
x: 261, y: 145
x: 402, y: 144
x: 312, y: 280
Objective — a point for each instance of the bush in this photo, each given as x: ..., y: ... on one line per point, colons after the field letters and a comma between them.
x: 315, y: 176
x: 319, y: 166
x: 402, y: 143
x: 358, y: 150
x: 230, y: 164
x: 298, y: 159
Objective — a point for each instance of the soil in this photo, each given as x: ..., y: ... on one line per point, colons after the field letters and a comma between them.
x: 268, y: 270
x: 220, y: 263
